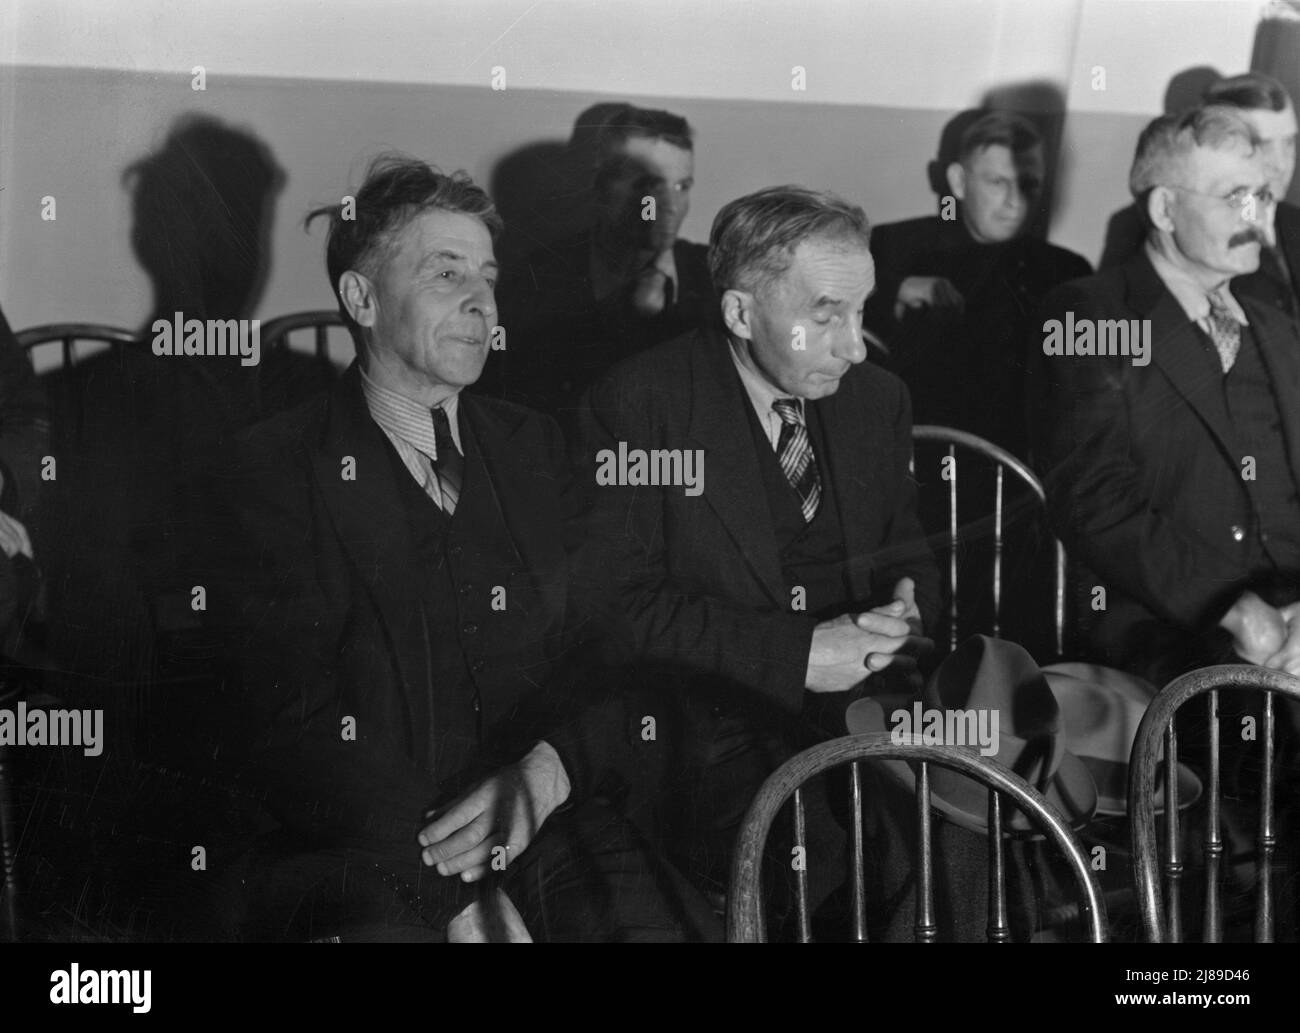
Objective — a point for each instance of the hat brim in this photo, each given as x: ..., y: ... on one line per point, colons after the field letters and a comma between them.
x: 1071, y: 789
x: 1112, y: 787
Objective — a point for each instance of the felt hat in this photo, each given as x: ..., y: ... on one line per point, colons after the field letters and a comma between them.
x: 989, y: 694
x: 1101, y: 709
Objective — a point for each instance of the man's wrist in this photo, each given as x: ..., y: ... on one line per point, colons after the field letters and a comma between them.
x: 543, y: 764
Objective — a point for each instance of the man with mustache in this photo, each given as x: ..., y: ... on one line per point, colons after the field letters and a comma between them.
x: 1176, y: 482
x: 1264, y: 105
x: 407, y: 708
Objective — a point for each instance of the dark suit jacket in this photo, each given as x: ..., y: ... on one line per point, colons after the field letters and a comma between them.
x: 698, y: 580
x: 966, y: 369
x: 1144, y: 481
x: 321, y: 587
x: 559, y: 338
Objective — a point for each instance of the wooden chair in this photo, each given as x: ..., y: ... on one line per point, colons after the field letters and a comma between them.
x: 69, y: 336
x: 275, y: 332
x: 1004, y: 464
x: 1161, y: 924
x: 745, y: 917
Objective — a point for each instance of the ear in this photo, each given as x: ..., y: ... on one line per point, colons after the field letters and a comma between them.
x: 957, y: 180
x: 358, y: 295
x: 1159, y: 203
x: 737, y: 313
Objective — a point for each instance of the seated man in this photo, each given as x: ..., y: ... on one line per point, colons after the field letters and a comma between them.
x: 1173, y: 469
x: 1173, y: 476
x: 575, y: 309
x: 783, y: 566
x: 956, y: 290
x: 403, y: 621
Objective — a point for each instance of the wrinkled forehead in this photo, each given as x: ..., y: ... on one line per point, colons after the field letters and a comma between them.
x: 438, y: 232
x: 831, y: 265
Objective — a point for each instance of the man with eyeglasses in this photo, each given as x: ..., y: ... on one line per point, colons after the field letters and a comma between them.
x: 1177, y: 481
x: 956, y: 290
x: 1264, y: 105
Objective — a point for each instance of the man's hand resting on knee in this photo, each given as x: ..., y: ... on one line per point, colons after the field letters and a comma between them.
x: 492, y: 824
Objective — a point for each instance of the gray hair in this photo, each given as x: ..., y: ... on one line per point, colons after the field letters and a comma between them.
x: 1170, y: 139
x: 753, y: 239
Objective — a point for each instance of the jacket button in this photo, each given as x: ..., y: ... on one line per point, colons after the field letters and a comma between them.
x: 466, y: 588
x: 1238, y: 533
x: 477, y: 707
x: 469, y: 628
x: 454, y: 550
x: 477, y: 665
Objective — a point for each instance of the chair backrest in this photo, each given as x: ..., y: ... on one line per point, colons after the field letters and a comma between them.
x: 275, y: 332
x: 992, y: 521
x: 1157, y: 723
x: 745, y: 917
x: 69, y: 334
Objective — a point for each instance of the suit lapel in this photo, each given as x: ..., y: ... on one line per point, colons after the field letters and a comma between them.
x: 734, y: 484
x: 1180, y: 353
x: 372, y: 528
x: 853, y: 466
x: 503, y: 483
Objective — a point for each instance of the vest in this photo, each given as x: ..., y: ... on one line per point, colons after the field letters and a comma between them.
x: 811, y: 554
x: 460, y: 558
x: 1252, y: 406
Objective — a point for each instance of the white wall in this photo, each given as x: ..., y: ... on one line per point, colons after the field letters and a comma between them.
x: 327, y: 83
x: 901, y: 53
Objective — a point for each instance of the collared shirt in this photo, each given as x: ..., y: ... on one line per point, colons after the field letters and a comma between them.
x: 761, y: 396
x: 1190, y: 295
x: 409, y: 426
x: 606, y: 278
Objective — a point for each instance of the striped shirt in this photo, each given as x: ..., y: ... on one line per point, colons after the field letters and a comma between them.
x: 409, y: 426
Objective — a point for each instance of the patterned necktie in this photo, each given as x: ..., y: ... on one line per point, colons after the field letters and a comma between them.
x: 450, y: 464
x: 795, y: 451
x: 1225, y: 331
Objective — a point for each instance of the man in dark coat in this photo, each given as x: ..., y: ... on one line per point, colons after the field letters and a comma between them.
x: 956, y: 291
x: 574, y: 309
x: 768, y: 566
x: 403, y: 624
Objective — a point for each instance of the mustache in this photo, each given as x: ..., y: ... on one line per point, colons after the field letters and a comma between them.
x: 1247, y: 237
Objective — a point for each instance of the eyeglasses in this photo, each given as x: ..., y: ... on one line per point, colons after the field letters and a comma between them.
x: 1240, y: 198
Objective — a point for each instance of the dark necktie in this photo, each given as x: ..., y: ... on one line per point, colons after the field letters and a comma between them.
x: 794, y: 449
x: 450, y: 464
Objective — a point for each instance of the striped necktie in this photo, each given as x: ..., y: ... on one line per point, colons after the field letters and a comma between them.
x: 795, y: 451
x: 449, y: 464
